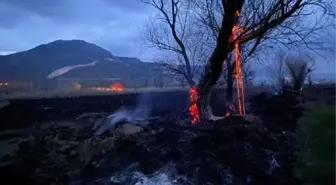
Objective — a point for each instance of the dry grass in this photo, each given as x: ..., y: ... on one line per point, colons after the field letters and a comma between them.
x: 95, y: 146
x: 82, y: 92
x: 90, y: 92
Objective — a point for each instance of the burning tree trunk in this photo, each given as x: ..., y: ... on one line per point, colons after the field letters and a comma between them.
x: 277, y: 14
x: 179, y: 32
x: 214, y: 68
x: 193, y: 109
x: 228, y: 77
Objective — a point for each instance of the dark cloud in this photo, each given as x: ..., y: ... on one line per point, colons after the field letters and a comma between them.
x: 112, y: 24
x: 11, y: 15
x: 71, y: 11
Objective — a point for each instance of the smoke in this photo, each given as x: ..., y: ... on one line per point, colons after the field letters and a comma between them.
x: 143, y: 107
x: 142, y: 111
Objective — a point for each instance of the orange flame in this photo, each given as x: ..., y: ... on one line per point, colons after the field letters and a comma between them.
x: 117, y: 87
x: 239, y: 76
x: 193, y: 95
x: 229, y: 111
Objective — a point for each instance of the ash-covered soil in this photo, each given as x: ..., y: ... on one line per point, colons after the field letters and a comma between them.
x: 58, y: 146
x: 230, y: 151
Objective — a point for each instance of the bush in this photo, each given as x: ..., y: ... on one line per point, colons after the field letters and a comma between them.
x: 278, y: 110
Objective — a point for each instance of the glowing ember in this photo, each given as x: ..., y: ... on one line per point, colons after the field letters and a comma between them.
x: 230, y: 111
x: 117, y: 87
x: 193, y: 95
x: 114, y: 87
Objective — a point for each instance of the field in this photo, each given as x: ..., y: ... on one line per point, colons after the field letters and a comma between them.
x: 317, y: 138
x: 90, y: 92
x: 23, y: 111
x: 51, y: 139
x: 82, y: 92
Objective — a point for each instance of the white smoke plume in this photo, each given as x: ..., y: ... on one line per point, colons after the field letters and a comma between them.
x: 141, y: 112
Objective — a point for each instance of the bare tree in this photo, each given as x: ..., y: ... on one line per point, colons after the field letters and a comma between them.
x: 176, y: 69
x: 172, y: 30
x: 290, y: 68
x: 266, y: 24
x: 277, y: 71
x: 310, y: 80
x: 298, y: 70
x: 310, y: 70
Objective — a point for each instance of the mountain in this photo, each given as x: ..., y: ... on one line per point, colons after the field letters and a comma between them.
x: 73, y: 59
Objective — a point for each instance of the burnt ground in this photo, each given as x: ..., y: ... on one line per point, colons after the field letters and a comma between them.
x: 23, y: 112
x: 50, y: 141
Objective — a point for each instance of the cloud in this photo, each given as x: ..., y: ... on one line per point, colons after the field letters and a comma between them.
x: 112, y: 24
x: 74, y: 11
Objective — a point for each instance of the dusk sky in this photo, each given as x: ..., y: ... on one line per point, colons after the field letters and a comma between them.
x: 112, y: 24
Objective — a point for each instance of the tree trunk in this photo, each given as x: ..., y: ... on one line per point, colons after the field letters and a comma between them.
x: 310, y: 81
x: 204, y: 106
x: 214, y: 68
x: 204, y: 90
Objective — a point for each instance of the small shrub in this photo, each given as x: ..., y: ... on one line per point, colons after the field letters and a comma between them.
x: 282, y: 110
x: 298, y: 71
